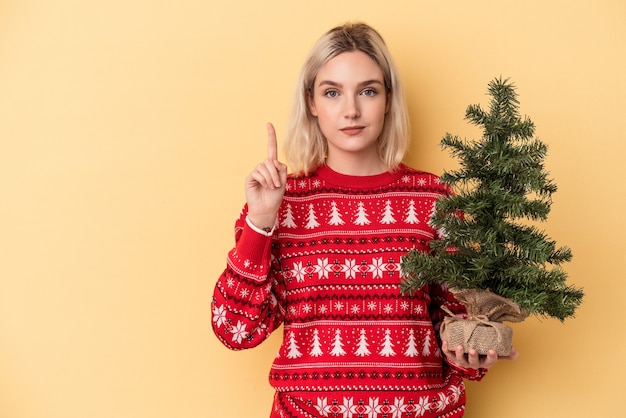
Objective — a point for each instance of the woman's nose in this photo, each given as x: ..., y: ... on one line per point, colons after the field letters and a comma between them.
x: 352, y: 108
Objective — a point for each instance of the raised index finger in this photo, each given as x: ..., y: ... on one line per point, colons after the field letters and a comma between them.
x: 272, y: 144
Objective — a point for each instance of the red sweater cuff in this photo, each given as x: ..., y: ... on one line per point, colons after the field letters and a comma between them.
x: 252, y: 254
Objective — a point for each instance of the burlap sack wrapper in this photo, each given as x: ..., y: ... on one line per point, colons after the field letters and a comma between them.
x: 482, y: 330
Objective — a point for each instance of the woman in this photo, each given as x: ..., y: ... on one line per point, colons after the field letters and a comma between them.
x: 319, y: 251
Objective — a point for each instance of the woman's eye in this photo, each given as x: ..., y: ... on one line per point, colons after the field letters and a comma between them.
x: 331, y: 93
x: 369, y: 92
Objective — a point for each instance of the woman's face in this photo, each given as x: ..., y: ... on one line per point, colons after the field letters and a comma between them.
x: 350, y: 101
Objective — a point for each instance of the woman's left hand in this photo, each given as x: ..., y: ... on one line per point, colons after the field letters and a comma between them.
x: 473, y: 360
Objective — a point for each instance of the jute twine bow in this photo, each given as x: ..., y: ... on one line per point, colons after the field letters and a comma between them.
x: 483, y: 319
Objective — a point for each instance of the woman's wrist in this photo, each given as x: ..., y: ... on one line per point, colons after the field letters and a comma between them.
x: 261, y: 225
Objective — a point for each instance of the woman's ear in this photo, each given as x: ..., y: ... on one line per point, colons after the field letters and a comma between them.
x: 388, y: 106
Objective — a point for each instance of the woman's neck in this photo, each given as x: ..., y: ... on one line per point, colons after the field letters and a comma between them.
x: 357, y: 165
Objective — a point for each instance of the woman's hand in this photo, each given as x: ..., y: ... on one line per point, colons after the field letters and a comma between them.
x: 472, y: 360
x: 265, y: 186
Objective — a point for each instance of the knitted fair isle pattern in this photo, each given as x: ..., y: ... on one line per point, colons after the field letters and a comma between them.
x: 353, y: 345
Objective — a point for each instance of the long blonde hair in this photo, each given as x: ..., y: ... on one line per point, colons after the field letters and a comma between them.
x: 305, y: 146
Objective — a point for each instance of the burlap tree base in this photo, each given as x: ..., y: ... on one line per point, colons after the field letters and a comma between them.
x: 482, y: 330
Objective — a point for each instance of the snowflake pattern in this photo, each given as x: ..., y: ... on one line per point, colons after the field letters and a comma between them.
x: 239, y: 332
x: 351, y: 268
x: 219, y: 315
x: 375, y: 408
x: 261, y: 329
x: 378, y: 267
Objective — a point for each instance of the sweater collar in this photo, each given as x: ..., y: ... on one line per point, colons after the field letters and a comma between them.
x: 347, y: 181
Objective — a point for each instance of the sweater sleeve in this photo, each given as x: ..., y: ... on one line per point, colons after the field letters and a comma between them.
x: 248, y: 299
x: 441, y: 296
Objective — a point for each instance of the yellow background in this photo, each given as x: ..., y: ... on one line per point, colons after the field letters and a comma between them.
x: 127, y: 128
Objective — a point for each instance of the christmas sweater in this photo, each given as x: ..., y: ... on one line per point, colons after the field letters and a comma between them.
x: 329, y: 271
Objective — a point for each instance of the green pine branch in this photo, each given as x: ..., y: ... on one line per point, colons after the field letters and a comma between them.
x: 500, y: 186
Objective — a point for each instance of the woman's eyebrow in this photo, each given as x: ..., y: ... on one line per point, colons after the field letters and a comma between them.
x: 370, y: 82
x: 361, y: 84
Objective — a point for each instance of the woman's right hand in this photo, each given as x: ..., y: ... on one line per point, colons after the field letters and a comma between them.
x: 265, y: 186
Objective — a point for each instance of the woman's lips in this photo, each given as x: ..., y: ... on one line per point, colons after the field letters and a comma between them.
x: 352, y: 130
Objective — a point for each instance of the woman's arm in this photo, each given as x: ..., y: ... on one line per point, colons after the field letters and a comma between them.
x: 248, y: 299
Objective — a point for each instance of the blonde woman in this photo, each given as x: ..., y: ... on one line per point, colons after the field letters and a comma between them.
x: 319, y: 251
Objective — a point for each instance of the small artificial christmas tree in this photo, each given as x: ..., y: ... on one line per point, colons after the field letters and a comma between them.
x: 483, y: 244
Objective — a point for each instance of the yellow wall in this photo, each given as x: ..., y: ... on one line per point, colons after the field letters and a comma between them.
x: 127, y: 127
